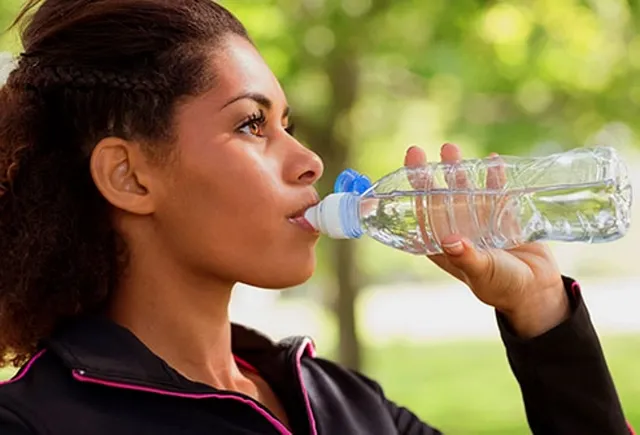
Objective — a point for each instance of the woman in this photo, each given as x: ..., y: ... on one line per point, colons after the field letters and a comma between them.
x: 148, y: 164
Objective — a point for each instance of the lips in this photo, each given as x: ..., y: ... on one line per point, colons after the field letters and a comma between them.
x: 303, y: 223
x: 298, y: 218
x: 300, y: 212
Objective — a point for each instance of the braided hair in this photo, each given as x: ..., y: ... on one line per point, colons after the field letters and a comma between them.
x: 41, y: 76
x: 91, y: 69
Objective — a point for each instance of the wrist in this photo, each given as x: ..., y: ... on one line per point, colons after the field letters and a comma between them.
x: 540, y: 313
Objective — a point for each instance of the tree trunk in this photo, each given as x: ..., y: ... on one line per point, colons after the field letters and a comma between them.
x: 331, y: 139
x: 331, y: 136
x: 344, y: 77
x: 349, y: 346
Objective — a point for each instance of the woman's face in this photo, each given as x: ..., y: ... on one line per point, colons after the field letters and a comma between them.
x: 240, y: 178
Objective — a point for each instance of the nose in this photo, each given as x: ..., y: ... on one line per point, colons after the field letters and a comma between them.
x: 303, y: 166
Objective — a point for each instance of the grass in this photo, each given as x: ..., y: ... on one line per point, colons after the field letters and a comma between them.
x: 466, y: 388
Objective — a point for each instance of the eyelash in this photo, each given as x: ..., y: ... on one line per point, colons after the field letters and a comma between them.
x: 259, y: 120
x: 290, y: 129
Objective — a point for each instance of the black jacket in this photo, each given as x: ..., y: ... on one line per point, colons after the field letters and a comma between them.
x: 96, y: 378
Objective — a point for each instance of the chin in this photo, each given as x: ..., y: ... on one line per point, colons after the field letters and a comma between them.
x: 279, y: 278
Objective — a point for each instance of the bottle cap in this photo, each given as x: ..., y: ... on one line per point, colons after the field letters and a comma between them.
x: 337, y: 216
x: 351, y: 181
x: 325, y: 217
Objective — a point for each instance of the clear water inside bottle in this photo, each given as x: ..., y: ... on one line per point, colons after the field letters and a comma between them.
x: 416, y: 221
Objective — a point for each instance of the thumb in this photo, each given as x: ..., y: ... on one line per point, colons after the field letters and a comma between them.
x: 461, y: 253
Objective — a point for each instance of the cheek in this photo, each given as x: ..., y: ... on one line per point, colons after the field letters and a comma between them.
x: 227, y: 196
x: 229, y: 220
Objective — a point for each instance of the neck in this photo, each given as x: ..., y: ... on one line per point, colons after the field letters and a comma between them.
x: 182, y: 319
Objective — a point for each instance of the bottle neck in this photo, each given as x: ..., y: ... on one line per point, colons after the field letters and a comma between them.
x: 350, y: 216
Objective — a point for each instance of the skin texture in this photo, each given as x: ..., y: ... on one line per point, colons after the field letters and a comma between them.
x: 217, y: 213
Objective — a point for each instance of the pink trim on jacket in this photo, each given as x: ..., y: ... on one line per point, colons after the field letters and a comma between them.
x: 78, y: 375
x: 26, y: 368
x: 310, y: 349
x: 245, y: 365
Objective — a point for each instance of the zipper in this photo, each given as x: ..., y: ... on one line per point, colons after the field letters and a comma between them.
x: 82, y: 376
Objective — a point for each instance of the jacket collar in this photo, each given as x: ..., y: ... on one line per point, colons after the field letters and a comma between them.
x: 103, y: 348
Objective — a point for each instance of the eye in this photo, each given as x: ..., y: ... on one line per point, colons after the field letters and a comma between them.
x: 254, y: 125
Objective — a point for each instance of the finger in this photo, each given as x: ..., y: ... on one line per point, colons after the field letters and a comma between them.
x: 496, y: 174
x: 497, y: 180
x: 420, y: 180
x: 476, y: 265
x: 415, y: 157
x: 442, y: 261
x: 457, y: 178
x: 416, y: 160
x: 450, y: 153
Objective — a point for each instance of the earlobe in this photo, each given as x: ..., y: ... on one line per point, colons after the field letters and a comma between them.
x: 118, y: 170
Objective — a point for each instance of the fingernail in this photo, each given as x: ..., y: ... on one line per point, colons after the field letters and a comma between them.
x: 456, y: 248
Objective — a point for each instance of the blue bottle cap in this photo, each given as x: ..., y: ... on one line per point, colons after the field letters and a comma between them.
x: 351, y: 181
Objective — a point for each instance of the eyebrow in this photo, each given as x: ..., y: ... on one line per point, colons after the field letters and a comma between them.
x: 261, y: 99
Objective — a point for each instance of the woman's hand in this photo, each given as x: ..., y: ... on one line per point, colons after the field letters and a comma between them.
x: 523, y: 283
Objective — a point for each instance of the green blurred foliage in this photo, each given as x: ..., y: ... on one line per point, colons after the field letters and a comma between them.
x: 495, y: 76
x: 466, y: 388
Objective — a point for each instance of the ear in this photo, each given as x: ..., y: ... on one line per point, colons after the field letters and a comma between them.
x: 122, y: 175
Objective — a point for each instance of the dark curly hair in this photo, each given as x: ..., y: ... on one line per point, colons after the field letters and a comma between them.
x: 90, y: 69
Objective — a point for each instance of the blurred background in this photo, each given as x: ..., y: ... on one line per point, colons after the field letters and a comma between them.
x: 367, y: 78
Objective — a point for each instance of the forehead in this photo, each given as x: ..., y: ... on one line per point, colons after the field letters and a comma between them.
x: 241, y: 69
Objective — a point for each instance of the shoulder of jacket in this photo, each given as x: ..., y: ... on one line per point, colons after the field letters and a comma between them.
x: 17, y: 418
x: 343, y: 375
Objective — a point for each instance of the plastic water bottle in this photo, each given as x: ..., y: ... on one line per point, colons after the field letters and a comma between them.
x: 583, y: 195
